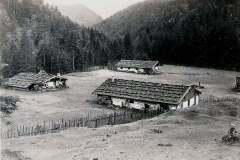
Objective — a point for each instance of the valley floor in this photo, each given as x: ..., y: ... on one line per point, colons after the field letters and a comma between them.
x: 190, y: 134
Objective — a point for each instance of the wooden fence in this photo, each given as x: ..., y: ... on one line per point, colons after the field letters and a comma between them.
x: 58, y: 125
x: 222, y: 99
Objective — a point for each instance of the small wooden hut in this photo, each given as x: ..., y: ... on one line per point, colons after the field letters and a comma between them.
x: 137, y: 66
x: 35, y: 82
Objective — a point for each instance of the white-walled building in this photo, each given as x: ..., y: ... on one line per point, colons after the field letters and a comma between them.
x: 137, y: 66
x: 146, y: 95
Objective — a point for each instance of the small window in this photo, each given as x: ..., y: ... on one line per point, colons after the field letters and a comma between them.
x: 147, y: 106
x: 131, y: 101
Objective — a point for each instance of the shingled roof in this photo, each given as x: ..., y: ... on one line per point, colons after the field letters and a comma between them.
x: 25, y: 80
x: 143, y: 91
x: 136, y: 64
x: 42, y: 77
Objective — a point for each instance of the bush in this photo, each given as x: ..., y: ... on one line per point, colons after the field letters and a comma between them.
x: 8, y: 104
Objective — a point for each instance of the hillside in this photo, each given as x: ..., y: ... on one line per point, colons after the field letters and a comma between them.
x: 188, y: 32
x: 80, y: 14
x: 132, y: 18
x: 35, y: 36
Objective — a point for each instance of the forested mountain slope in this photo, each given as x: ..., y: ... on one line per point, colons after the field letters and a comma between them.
x: 190, y: 32
x: 39, y: 37
x: 5, y: 26
x: 132, y: 18
x: 80, y: 14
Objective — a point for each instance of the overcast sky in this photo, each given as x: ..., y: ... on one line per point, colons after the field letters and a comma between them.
x: 104, y: 8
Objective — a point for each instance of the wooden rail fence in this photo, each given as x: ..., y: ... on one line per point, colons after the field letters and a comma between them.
x: 58, y: 125
x: 222, y: 99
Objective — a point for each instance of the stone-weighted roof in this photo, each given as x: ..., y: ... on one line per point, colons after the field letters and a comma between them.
x: 144, y: 91
x: 136, y: 64
x: 25, y: 80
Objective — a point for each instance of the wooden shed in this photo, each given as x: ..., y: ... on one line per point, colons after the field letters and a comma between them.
x: 35, y: 82
x: 146, y: 95
x: 137, y: 66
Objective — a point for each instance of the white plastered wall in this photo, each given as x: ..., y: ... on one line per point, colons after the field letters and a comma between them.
x: 118, y: 102
x: 122, y: 69
x: 189, y: 103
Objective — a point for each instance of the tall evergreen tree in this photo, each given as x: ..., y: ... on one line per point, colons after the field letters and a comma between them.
x: 128, y: 47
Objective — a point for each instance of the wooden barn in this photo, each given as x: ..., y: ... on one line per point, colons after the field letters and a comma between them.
x: 137, y: 66
x: 35, y: 82
x: 238, y: 82
x: 146, y: 95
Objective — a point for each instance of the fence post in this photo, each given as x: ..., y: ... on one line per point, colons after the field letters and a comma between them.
x: 44, y: 125
x: 23, y: 130
x: 32, y: 131
x: 52, y: 126
x: 83, y: 122
x: 18, y: 131
x: 115, y: 116
x: 109, y: 119
x: 96, y: 123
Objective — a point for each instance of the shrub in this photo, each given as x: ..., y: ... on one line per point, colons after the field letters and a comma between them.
x: 8, y: 104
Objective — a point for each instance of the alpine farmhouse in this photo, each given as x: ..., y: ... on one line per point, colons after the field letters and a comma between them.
x: 35, y: 82
x: 137, y: 66
x: 146, y: 95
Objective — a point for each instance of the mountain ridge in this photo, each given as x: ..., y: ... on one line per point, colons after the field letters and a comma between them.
x: 81, y: 14
x: 185, y: 32
x: 127, y: 15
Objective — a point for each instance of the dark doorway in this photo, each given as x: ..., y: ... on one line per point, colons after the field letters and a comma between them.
x: 146, y: 107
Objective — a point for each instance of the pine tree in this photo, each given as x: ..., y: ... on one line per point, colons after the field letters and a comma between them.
x: 128, y: 47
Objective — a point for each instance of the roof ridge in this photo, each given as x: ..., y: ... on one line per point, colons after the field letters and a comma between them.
x: 140, y: 90
x: 150, y: 82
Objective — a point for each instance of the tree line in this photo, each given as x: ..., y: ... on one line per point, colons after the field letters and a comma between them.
x: 203, y: 33
x: 42, y: 38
